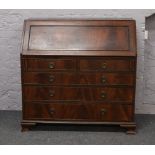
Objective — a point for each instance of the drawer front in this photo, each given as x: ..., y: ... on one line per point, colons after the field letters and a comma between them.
x: 50, y: 64
x: 102, y: 78
x: 50, y: 78
x: 78, y: 112
x: 81, y: 78
x: 35, y: 93
x: 50, y: 93
x: 107, y: 94
x: 107, y: 65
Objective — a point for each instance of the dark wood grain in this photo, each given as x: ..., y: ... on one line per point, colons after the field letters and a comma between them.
x: 51, y: 93
x: 50, y: 64
x: 104, y: 78
x: 75, y: 93
x: 71, y: 78
x: 106, y: 65
x: 76, y: 112
x: 50, y: 78
x: 79, y: 38
x: 79, y: 71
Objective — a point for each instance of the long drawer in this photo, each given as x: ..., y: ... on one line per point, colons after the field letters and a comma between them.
x: 71, y: 78
x: 78, y: 112
x: 36, y: 93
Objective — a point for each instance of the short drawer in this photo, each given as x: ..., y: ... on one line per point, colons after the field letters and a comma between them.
x: 50, y: 78
x: 42, y: 64
x: 36, y: 93
x: 107, y: 64
x: 78, y: 112
x: 103, y: 78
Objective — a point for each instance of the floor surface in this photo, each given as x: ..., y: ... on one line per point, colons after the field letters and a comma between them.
x: 10, y: 133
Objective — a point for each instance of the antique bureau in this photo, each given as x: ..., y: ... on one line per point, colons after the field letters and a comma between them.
x: 79, y: 72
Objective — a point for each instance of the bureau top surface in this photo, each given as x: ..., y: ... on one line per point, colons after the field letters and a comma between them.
x: 79, y: 37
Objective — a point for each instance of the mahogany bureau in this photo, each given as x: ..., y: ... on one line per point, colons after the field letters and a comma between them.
x: 79, y: 72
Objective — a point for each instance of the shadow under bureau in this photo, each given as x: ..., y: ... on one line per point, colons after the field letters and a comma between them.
x: 79, y: 72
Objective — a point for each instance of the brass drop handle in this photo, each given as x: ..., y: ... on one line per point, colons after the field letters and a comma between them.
x: 103, y: 94
x: 51, y: 65
x: 52, y: 111
x: 103, y: 79
x: 51, y: 93
x: 104, y: 65
x: 51, y: 78
x: 103, y: 111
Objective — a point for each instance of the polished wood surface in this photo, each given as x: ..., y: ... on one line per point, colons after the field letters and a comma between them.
x: 78, y: 112
x: 49, y: 64
x: 72, y: 78
x: 106, y: 64
x: 79, y: 38
x: 79, y: 71
x: 76, y: 93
